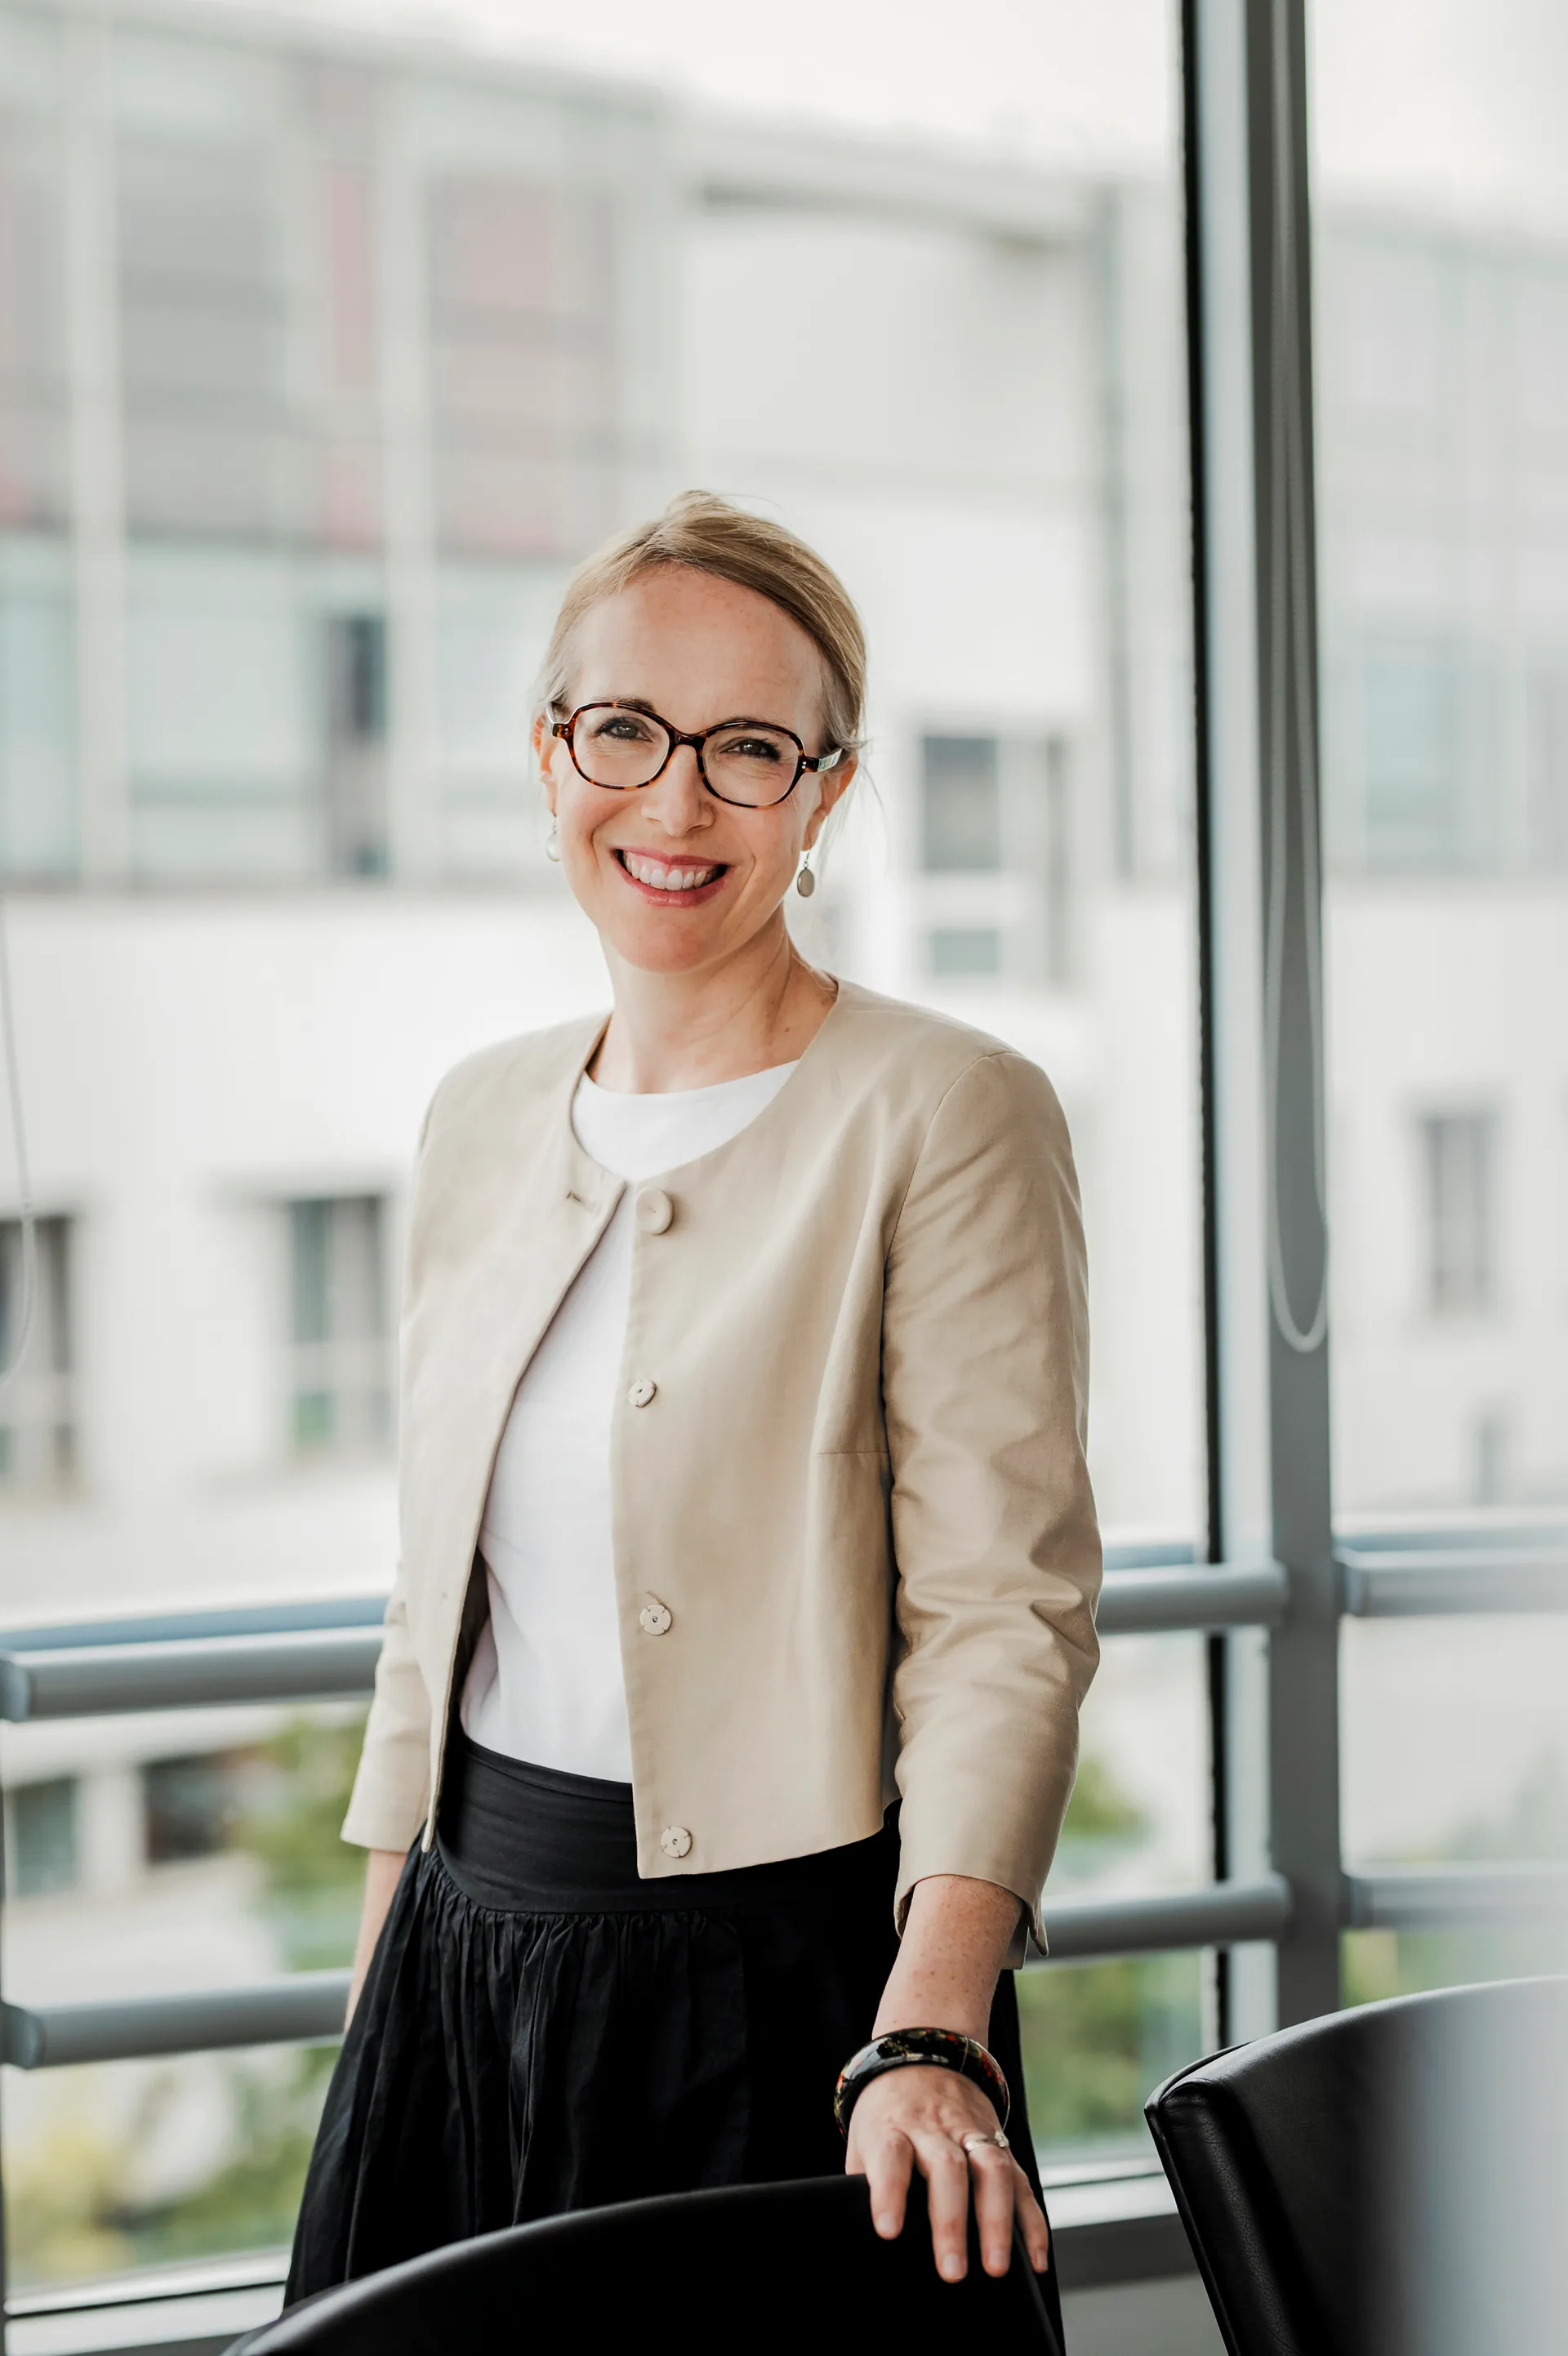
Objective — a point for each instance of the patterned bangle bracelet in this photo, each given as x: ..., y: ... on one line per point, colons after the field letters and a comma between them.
x: 905, y: 2049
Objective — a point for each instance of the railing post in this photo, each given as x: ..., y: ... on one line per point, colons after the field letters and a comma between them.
x: 1249, y: 286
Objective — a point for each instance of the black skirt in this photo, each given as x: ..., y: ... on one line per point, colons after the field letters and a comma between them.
x: 540, y: 2030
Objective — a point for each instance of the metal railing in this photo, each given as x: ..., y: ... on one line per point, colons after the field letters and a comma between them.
x: 1430, y: 1581
x: 201, y: 1672
x: 260, y: 1657
x: 98, y: 1680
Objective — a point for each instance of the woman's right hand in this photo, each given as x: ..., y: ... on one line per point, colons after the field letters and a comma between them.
x: 382, y: 1869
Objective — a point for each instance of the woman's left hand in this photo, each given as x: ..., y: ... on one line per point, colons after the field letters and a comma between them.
x: 917, y: 2117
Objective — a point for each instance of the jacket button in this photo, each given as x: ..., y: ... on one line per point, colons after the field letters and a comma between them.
x: 676, y: 1841
x: 642, y: 1391
x: 655, y: 1210
x: 653, y: 1618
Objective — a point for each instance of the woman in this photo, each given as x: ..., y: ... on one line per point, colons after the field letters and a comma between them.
x: 727, y: 1710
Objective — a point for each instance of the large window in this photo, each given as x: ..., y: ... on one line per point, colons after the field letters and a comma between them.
x: 371, y: 347
x: 322, y: 360
x: 1440, y: 278
x: 1442, y: 289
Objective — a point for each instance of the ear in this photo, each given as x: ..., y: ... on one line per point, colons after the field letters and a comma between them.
x: 546, y: 744
x: 831, y: 787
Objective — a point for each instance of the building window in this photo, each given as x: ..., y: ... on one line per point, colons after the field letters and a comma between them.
x: 204, y: 337
x: 359, y: 678
x: 188, y: 1807
x: 972, y: 949
x: 339, y: 1394
x: 1429, y: 753
x: 961, y: 805
x: 524, y: 320
x: 355, y: 738
x: 996, y: 851
x: 1459, y: 1170
x: 38, y: 1411
x: 42, y: 1838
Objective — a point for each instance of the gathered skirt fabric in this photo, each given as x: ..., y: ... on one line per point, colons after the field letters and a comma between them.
x: 541, y: 2031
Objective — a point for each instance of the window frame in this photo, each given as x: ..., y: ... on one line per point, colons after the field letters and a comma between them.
x: 39, y: 1405
x: 348, y: 1371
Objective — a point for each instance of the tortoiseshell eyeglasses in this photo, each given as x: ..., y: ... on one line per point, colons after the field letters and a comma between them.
x: 753, y: 764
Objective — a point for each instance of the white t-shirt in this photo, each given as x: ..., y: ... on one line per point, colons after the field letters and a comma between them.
x: 546, y: 1683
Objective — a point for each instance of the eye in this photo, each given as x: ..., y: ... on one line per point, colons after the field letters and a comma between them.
x: 620, y: 728
x: 745, y: 747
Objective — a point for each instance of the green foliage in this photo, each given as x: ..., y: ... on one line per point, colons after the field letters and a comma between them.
x: 1099, y: 1809
x: 251, y: 2201
x: 1533, y: 1825
x: 62, y: 2190
x: 1098, y: 2038
x: 290, y: 1822
x: 1377, y: 1963
x: 71, y: 2213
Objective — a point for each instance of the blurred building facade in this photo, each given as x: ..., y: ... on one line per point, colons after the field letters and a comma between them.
x: 324, y: 369
x: 323, y: 362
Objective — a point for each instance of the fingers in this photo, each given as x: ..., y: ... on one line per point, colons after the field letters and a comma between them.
x: 919, y: 2118
x: 994, y: 2174
x: 946, y: 2174
x: 888, y: 2163
x: 1031, y: 2221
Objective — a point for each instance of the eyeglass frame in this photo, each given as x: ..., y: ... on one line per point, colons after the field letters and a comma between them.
x: 820, y: 763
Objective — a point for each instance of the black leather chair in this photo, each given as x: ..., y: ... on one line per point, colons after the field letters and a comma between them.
x: 756, y: 2267
x: 1387, y: 2181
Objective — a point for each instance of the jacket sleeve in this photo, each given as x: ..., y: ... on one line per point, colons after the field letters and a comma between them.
x: 984, y: 1370
x: 391, y: 1790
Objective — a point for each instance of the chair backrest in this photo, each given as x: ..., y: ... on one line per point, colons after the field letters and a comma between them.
x: 1391, y: 2180
x: 752, y: 2267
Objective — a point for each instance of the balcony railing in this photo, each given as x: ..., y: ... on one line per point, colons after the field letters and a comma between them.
x: 328, y: 1652
x: 1116, y: 2231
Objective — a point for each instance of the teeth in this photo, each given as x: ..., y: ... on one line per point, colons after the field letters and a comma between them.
x: 666, y: 879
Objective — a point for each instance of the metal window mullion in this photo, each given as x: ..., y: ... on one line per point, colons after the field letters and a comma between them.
x: 1303, y: 1704
x: 1225, y: 689
x: 1277, y: 1703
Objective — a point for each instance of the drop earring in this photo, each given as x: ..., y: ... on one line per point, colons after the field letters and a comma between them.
x: 805, y: 882
x: 552, y: 843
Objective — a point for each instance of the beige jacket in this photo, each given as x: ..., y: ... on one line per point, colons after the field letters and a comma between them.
x: 848, y: 1475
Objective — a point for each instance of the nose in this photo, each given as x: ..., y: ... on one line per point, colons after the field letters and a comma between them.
x: 677, y: 800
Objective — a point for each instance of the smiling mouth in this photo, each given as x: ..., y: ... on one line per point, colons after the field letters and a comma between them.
x: 657, y: 876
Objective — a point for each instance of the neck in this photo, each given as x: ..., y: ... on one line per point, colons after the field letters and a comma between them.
x: 762, y: 1007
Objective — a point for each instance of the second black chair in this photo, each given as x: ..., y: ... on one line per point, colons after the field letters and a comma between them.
x: 755, y: 2267
x: 1389, y: 2181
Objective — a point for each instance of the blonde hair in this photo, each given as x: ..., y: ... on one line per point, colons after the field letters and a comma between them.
x: 708, y: 534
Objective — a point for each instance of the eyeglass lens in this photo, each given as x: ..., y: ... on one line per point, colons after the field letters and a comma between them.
x: 747, y: 763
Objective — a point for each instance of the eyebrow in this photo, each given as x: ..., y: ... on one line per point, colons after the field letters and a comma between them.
x: 640, y: 704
